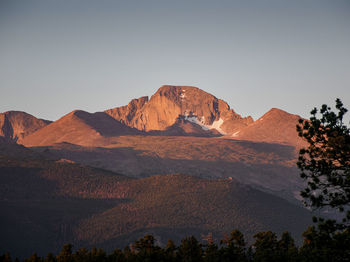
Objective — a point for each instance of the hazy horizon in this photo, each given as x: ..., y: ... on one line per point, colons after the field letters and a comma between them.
x: 58, y: 56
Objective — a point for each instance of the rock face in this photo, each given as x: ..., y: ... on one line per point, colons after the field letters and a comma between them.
x: 170, y: 103
x: 79, y: 127
x: 276, y: 126
x: 125, y: 114
x: 15, y: 125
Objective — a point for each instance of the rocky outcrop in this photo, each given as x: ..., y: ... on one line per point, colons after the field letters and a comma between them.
x: 125, y: 114
x: 15, y: 125
x: 187, y: 102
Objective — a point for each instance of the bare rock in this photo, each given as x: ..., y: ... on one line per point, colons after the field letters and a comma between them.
x: 171, y: 102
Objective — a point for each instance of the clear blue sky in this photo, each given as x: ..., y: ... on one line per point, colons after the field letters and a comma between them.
x: 57, y: 56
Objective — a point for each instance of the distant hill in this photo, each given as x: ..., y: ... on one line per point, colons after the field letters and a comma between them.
x: 276, y: 126
x: 79, y: 127
x: 47, y: 203
x: 15, y: 125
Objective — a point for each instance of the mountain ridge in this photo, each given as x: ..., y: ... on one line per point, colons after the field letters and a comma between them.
x: 79, y: 127
x: 171, y: 111
x: 15, y: 125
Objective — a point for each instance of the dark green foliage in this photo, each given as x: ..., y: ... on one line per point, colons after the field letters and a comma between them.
x: 324, y: 243
x: 66, y: 254
x: 34, y: 258
x: 211, y: 250
x: 50, y: 258
x: 287, y: 251
x: 211, y: 253
x: 235, y: 249
x: 266, y: 247
x: 170, y: 251
x: 96, y: 255
x: 325, y: 163
x: 117, y: 256
x: 190, y: 250
x: 146, y: 250
x: 6, y: 257
x: 81, y: 255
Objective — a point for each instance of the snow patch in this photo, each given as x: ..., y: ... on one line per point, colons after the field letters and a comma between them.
x: 183, y: 95
x: 235, y: 134
x: 261, y: 119
x: 193, y: 119
x: 215, y: 125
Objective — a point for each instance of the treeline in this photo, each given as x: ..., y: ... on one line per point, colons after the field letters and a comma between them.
x: 322, y: 243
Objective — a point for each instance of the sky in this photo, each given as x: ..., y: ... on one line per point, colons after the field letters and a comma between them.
x: 58, y: 56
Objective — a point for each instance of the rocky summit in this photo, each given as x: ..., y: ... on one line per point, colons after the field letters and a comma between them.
x: 170, y: 103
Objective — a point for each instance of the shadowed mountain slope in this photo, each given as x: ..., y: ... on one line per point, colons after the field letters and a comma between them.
x: 200, y: 205
x: 262, y: 165
x: 79, y: 127
x: 15, y: 125
x: 62, y: 202
x: 12, y: 149
x: 42, y: 200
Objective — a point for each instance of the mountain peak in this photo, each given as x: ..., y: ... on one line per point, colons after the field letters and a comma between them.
x: 276, y: 126
x: 277, y: 112
x: 15, y: 125
x: 180, y: 89
x: 79, y: 127
x: 171, y: 102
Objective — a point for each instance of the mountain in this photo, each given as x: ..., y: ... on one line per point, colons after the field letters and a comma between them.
x: 176, y: 140
x: 189, y: 103
x: 15, y: 125
x: 47, y: 203
x: 268, y: 167
x: 79, y: 127
x: 276, y: 126
x: 190, y: 165
x: 171, y: 111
